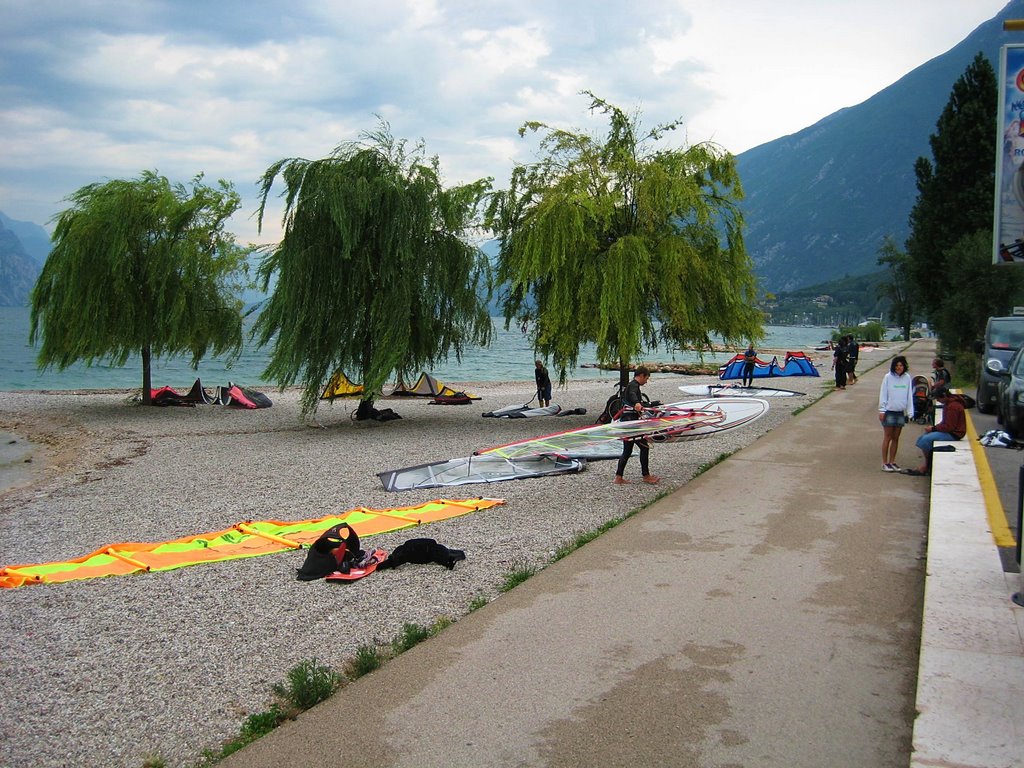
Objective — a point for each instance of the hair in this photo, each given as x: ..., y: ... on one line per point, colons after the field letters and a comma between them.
x: 940, y: 392
x: 642, y: 370
x: 899, y: 359
x: 938, y: 361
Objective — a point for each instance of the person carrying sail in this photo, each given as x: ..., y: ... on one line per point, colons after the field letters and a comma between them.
x: 632, y: 408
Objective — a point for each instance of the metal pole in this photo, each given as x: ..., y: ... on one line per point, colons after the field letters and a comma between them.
x: 1018, y: 597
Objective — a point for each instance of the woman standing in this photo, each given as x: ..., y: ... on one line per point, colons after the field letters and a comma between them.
x: 895, y: 405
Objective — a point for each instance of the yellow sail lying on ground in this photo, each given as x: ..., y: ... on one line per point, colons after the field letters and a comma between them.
x: 245, y: 539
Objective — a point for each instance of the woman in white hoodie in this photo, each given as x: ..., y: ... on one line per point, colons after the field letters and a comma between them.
x: 895, y: 406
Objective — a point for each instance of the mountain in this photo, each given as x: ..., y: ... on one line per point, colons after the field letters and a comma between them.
x: 33, y: 237
x: 819, y: 202
x: 18, y: 270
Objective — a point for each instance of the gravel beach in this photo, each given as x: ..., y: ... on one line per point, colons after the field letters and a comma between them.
x: 108, y: 671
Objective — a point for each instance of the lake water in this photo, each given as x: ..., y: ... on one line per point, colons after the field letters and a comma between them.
x: 509, y: 358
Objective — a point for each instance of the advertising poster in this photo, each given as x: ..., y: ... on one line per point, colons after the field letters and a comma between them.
x: 1008, y: 238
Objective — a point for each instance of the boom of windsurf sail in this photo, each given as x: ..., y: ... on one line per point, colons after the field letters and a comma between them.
x: 689, y: 420
x: 245, y: 539
x: 794, y: 364
x: 476, y: 469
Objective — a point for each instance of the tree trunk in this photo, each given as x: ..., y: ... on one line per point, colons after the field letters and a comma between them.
x: 147, y: 377
x: 623, y: 373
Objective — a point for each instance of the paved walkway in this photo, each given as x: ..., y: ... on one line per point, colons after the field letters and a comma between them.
x: 766, y: 614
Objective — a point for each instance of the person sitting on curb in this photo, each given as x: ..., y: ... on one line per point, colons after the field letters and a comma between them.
x: 952, y: 427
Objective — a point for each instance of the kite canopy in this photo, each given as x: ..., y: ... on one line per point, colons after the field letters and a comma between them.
x: 427, y: 386
x: 245, y: 539
x: 794, y: 364
x: 341, y: 386
x: 231, y: 395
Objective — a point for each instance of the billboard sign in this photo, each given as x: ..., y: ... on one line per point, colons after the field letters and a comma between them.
x: 1008, y: 240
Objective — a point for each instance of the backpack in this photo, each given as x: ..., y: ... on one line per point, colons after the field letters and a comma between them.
x: 331, y: 552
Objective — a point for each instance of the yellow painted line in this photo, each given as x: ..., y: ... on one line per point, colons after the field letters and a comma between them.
x: 994, y: 507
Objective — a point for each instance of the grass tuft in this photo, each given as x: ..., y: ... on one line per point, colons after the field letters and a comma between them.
x: 516, y: 577
x: 308, y: 684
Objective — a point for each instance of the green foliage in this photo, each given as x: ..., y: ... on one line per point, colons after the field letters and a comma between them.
x: 949, y: 249
x: 153, y: 761
x: 981, y: 290
x: 373, y: 273
x: 411, y: 635
x: 261, y: 723
x: 478, y: 602
x: 516, y: 577
x: 619, y: 244
x: 898, y: 288
x: 850, y: 299
x: 367, y: 659
x: 442, y: 622
x: 140, y: 266
x: 308, y: 684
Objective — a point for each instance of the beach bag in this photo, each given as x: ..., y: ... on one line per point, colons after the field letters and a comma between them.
x: 333, y: 551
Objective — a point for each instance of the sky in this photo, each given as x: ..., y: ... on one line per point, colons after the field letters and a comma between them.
x: 92, y: 90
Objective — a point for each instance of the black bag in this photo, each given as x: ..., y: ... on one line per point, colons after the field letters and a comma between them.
x: 331, y: 552
x: 423, y: 551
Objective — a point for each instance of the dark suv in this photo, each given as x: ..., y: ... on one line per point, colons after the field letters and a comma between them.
x: 1010, y: 407
x: 1003, y: 337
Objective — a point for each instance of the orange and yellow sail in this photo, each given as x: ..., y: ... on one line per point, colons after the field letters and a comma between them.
x: 245, y: 539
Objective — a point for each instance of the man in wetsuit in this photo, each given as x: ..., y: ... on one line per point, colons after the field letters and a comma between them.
x: 632, y: 408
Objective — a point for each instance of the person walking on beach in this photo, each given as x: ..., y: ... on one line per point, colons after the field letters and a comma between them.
x: 852, y: 355
x: 632, y: 408
x: 952, y: 427
x: 895, y: 406
x: 749, y: 360
x: 840, y: 363
x: 540, y: 375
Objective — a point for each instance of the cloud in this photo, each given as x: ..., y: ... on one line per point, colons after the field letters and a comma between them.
x: 100, y: 89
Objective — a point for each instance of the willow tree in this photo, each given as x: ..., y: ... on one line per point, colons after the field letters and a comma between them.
x: 373, y: 275
x: 140, y: 266
x: 616, y: 242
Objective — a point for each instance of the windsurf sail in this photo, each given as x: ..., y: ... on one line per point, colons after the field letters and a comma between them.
x: 795, y: 364
x: 477, y: 469
x: 244, y: 539
x: 341, y: 386
x: 690, y: 420
x: 524, y: 411
x: 736, y: 390
x: 427, y: 386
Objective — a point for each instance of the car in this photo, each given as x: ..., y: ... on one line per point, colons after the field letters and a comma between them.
x: 1003, y: 337
x: 1010, y: 397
